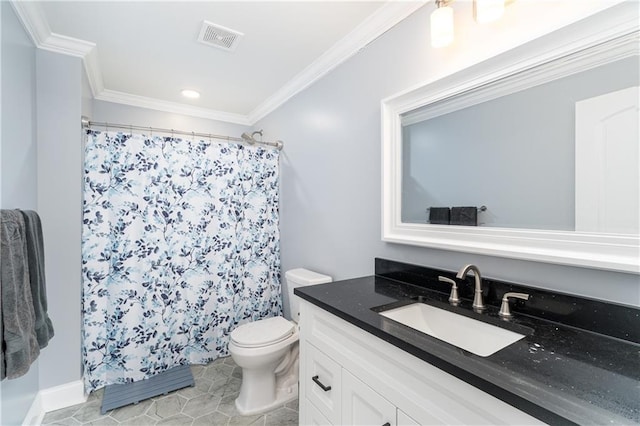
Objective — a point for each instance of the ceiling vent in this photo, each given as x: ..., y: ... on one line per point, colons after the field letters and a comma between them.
x: 219, y: 36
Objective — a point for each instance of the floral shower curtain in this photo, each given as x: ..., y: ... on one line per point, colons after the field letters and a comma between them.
x: 180, y: 244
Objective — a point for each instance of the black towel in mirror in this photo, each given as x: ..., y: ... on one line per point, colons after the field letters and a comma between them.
x: 467, y: 216
x: 439, y: 215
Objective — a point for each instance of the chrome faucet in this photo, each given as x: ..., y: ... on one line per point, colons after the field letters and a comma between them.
x: 478, y: 305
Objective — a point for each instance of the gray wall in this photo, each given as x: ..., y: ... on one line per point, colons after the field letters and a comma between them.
x: 124, y: 114
x: 59, y: 83
x: 514, y: 154
x: 41, y: 170
x: 18, y: 173
x: 331, y: 174
x: 87, y: 97
x: 18, y: 119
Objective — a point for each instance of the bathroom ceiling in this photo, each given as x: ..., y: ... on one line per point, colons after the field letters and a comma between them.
x: 144, y: 53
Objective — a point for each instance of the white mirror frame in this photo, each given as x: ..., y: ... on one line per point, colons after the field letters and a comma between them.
x: 613, y: 38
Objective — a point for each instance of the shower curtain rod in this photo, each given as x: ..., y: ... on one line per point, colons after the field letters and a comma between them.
x: 86, y: 123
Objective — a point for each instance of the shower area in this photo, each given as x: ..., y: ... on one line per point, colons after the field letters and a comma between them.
x: 180, y: 244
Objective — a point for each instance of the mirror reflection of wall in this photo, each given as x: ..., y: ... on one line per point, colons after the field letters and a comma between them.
x: 513, y: 154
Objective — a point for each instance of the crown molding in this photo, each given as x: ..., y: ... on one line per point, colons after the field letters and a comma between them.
x: 173, y: 107
x: 67, y: 45
x: 84, y: 50
x: 385, y: 18
x: 92, y: 68
x: 34, y: 21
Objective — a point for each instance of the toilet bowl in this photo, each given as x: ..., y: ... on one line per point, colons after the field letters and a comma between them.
x: 267, y: 352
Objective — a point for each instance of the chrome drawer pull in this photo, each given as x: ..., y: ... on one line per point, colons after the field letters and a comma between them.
x: 319, y: 383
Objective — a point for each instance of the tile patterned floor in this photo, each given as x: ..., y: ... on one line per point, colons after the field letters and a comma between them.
x: 210, y: 402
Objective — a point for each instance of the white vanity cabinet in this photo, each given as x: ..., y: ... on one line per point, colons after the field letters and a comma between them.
x: 350, y: 377
x: 337, y: 397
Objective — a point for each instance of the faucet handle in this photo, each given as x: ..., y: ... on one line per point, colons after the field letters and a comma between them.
x: 453, y: 297
x: 505, y: 311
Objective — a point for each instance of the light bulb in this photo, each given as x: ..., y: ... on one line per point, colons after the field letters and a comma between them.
x: 488, y: 10
x: 442, y: 26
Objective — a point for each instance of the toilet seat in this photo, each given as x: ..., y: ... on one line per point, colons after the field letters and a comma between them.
x: 264, y: 332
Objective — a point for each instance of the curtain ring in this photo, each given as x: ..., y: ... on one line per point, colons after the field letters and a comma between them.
x: 172, y: 135
x: 150, y: 131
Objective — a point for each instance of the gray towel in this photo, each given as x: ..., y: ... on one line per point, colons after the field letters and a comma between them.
x: 19, y: 343
x: 439, y: 215
x: 35, y: 256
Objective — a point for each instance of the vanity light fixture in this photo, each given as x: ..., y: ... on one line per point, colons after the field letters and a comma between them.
x: 484, y: 11
x: 191, y: 94
x: 442, y: 24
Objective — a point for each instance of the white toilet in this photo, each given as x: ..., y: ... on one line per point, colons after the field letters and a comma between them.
x: 267, y: 352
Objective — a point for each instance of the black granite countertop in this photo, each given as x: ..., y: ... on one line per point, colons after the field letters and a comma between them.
x: 578, y: 363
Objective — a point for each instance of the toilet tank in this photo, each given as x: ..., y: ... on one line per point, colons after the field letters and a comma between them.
x: 299, y: 278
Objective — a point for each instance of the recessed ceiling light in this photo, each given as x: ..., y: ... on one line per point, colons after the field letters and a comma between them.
x: 188, y: 93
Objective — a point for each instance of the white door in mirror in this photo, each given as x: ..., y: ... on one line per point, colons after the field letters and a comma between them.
x: 608, y: 163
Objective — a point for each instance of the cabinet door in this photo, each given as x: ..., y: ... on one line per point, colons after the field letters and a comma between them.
x: 361, y: 405
x: 405, y: 420
x: 314, y: 417
x: 322, y: 384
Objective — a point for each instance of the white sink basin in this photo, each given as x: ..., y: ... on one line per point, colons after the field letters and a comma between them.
x: 474, y: 336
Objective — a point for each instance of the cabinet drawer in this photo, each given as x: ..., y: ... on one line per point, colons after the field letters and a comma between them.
x: 322, y: 383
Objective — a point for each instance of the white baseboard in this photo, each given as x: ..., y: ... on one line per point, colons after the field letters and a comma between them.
x: 54, y: 398
x: 36, y: 413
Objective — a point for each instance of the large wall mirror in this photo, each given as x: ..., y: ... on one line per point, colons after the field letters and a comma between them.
x: 544, y: 138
